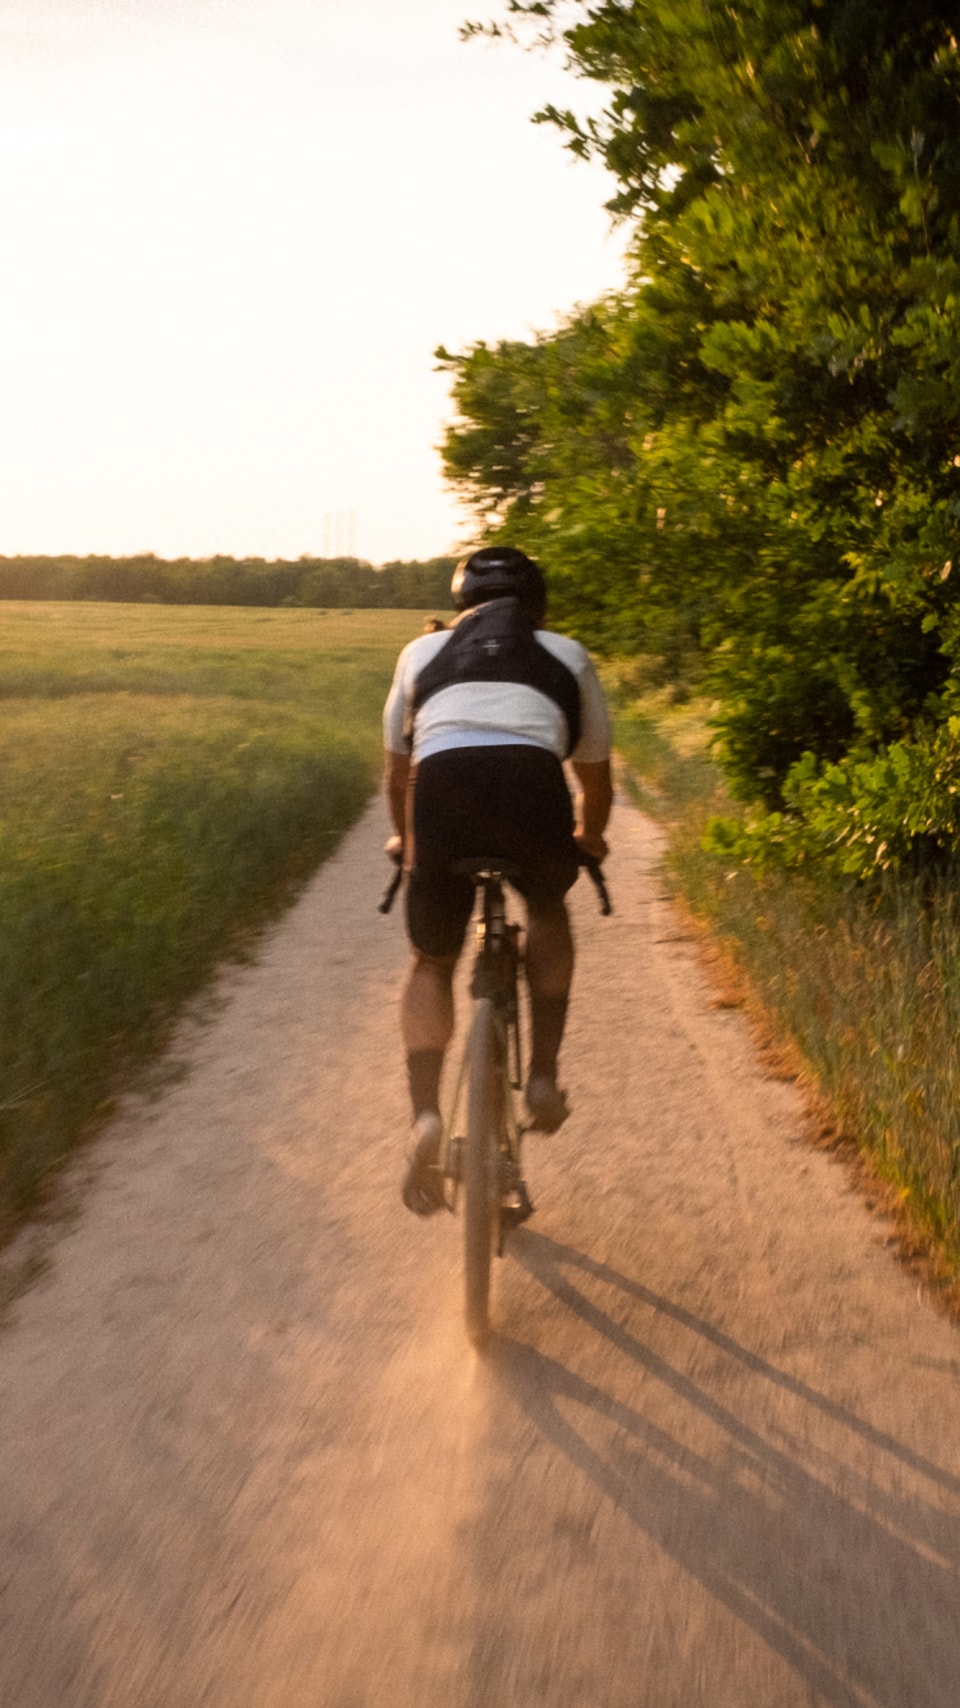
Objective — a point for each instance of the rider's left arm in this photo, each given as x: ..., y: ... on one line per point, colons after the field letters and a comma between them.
x: 396, y: 779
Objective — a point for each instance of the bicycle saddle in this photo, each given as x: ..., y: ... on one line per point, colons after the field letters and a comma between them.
x: 477, y: 865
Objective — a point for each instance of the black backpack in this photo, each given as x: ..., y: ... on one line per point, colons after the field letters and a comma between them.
x: 497, y: 642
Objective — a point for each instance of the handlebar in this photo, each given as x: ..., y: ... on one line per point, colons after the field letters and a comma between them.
x: 389, y: 895
x: 589, y: 862
x: 594, y: 870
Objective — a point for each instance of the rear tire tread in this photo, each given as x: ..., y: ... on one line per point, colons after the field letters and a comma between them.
x: 481, y: 1168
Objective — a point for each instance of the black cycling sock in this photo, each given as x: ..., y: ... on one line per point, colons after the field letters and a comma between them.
x: 423, y: 1076
x: 549, y: 1015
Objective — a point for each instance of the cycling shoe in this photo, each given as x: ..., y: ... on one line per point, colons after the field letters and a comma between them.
x: 422, y: 1189
x: 546, y: 1103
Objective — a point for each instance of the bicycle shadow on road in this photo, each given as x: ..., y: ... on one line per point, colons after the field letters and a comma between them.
x: 835, y: 1543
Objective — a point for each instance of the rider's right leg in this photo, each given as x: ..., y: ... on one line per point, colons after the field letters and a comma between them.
x: 549, y: 964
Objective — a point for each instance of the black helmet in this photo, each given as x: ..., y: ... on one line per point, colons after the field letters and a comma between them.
x: 496, y: 572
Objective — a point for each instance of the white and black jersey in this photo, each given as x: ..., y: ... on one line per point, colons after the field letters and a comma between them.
x: 494, y: 713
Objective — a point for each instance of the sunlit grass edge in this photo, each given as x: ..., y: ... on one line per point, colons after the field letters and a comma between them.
x: 145, y: 835
x: 864, y: 984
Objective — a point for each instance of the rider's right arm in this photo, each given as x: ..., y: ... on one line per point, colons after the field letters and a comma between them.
x: 594, y: 743
x: 590, y: 763
x: 593, y: 805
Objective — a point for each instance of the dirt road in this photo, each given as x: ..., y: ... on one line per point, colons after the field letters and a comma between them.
x: 249, y: 1461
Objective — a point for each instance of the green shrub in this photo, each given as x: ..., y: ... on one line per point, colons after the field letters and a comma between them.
x: 863, y: 977
x: 895, y: 809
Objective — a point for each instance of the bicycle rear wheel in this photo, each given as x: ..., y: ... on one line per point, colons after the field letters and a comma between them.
x: 481, y: 1166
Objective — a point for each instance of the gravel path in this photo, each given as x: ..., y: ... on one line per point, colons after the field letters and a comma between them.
x: 249, y: 1461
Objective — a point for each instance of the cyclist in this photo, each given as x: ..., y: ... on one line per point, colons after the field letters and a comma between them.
x: 477, y: 725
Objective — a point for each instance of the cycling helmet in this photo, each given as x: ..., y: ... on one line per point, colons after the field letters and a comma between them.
x: 496, y: 572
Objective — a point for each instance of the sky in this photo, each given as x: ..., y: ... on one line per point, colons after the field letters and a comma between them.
x: 234, y: 233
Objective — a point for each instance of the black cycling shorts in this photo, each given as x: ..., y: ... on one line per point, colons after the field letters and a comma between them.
x: 509, y: 803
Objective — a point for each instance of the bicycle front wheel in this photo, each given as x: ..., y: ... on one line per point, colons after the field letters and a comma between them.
x: 481, y: 1165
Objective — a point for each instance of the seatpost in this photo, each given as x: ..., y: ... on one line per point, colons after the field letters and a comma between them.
x: 494, y: 914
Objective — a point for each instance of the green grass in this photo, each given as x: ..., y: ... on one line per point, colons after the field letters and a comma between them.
x: 168, y: 776
x: 864, y: 982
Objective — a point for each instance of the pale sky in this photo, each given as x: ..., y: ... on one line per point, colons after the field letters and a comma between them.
x: 234, y: 231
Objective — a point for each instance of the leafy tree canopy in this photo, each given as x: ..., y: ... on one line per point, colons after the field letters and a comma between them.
x: 754, y: 448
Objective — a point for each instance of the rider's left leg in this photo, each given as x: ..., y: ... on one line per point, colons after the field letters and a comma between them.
x: 426, y: 1020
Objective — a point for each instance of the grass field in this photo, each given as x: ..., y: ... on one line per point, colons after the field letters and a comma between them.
x: 864, y: 982
x: 168, y: 776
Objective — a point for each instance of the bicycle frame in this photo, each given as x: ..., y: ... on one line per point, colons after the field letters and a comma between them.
x: 495, y: 978
x: 485, y: 1161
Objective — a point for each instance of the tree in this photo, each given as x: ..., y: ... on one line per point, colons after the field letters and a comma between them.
x: 760, y: 435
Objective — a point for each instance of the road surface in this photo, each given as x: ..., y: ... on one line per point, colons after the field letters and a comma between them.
x: 249, y: 1461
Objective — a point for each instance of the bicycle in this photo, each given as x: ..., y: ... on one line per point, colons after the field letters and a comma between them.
x: 484, y: 1161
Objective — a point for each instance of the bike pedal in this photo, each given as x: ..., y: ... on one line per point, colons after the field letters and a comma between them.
x: 517, y: 1210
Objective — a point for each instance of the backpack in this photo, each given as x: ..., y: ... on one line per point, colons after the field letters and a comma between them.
x: 497, y: 642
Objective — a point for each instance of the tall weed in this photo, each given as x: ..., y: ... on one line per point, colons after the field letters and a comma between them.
x: 864, y: 980
x: 144, y: 833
